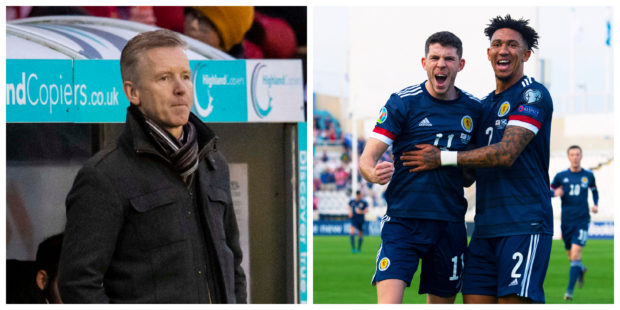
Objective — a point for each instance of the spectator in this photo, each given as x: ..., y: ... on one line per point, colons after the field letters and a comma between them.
x: 48, y: 255
x: 36, y: 282
x: 170, y: 17
x: 17, y: 12
x: 324, y: 158
x: 274, y: 36
x: 341, y: 177
x: 222, y: 27
x: 327, y: 179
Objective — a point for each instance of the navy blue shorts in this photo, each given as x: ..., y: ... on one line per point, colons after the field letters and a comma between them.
x: 508, y: 265
x: 577, y: 234
x: 440, y: 245
x: 358, y: 222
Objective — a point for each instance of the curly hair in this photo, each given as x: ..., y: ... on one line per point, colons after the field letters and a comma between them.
x: 519, y: 25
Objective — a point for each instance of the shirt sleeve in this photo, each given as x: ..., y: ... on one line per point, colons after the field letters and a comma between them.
x: 556, y: 182
x: 533, y: 108
x: 391, y: 118
x: 594, y: 190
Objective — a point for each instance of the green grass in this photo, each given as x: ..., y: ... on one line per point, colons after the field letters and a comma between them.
x: 344, y: 278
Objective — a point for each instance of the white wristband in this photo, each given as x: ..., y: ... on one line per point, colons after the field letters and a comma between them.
x: 449, y: 158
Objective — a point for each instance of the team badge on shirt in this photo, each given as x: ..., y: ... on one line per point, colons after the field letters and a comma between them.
x: 467, y: 123
x: 384, y: 264
x: 504, y: 108
x: 531, y: 96
x: 382, y: 115
x: 584, y: 182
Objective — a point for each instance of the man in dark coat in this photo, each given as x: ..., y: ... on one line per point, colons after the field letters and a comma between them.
x: 150, y: 219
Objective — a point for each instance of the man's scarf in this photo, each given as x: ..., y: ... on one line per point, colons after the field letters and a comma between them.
x: 183, y: 153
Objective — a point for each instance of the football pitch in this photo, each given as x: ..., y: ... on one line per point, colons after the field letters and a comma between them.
x: 341, y: 277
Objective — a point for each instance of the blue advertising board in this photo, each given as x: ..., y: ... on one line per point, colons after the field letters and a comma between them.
x: 41, y: 91
x: 597, y: 230
x: 220, y: 90
x: 101, y: 92
x: 342, y: 227
x: 601, y: 230
x: 91, y: 91
x: 302, y: 132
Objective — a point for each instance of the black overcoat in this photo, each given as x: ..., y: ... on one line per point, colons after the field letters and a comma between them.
x: 126, y: 240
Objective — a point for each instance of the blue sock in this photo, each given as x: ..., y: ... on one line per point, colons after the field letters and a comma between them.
x: 352, y: 241
x: 359, y: 243
x: 575, y: 272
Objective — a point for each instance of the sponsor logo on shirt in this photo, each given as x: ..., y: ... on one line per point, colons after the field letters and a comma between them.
x: 465, y: 138
x: 425, y: 123
x: 565, y: 180
x: 531, y: 96
x: 384, y: 264
x: 467, y: 123
x: 529, y: 110
x: 382, y: 115
x: 504, y: 108
x: 501, y: 123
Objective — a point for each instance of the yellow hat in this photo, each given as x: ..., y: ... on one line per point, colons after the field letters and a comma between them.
x: 232, y: 22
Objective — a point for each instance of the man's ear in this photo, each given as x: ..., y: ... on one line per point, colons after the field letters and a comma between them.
x: 42, y: 279
x: 132, y: 92
x: 526, y: 55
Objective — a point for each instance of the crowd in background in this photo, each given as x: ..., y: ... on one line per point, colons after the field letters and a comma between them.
x: 333, y: 163
x: 326, y: 130
x: 240, y: 31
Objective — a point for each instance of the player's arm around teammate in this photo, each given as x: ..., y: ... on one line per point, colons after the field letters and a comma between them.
x: 502, y: 154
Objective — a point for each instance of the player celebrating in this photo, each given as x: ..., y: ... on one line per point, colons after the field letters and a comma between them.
x: 572, y: 185
x: 357, y: 208
x: 508, y: 254
x: 425, y: 215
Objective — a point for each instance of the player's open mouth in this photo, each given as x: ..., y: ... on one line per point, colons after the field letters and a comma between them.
x: 441, y: 78
x: 503, y: 64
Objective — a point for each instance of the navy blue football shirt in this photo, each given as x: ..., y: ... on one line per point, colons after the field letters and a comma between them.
x: 575, y: 209
x: 358, y: 205
x: 412, y: 116
x: 516, y: 200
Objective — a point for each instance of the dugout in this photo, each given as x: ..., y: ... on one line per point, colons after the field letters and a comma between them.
x: 64, y: 102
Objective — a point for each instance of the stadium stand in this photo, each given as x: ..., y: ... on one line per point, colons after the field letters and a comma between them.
x: 327, y: 128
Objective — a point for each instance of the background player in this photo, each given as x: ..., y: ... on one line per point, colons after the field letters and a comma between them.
x: 508, y: 254
x: 572, y: 185
x: 357, y: 208
x: 425, y: 215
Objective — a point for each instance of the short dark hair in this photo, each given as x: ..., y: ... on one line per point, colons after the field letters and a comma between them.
x: 572, y: 147
x: 445, y: 38
x: 48, y: 255
x: 132, y: 52
x: 530, y: 36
